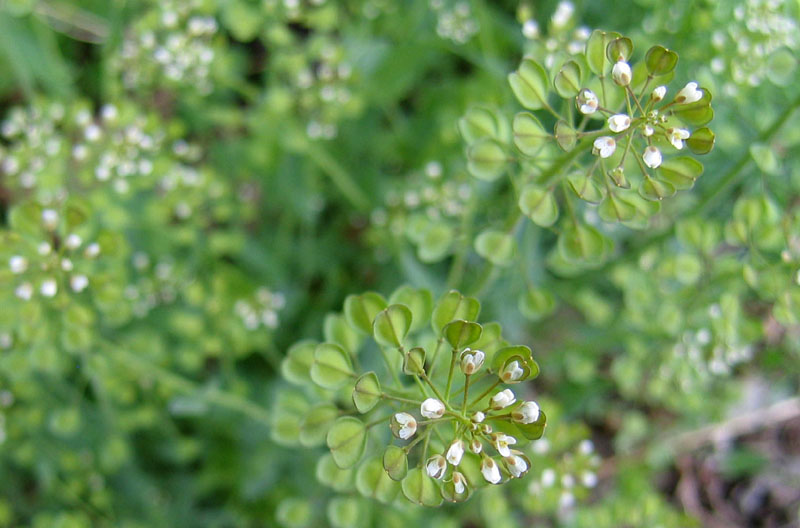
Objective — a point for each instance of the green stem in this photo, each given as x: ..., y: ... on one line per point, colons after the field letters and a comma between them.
x: 486, y: 392
x: 466, y: 395
x: 435, y: 390
x: 450, y: 374
x: 338, y: 175
x: 387, y: 396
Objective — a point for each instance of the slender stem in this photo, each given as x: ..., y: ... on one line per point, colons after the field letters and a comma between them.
x: 486, y: 392
x: 390, y: 369
x: 478, y: 380
x: 417, y: 440
x: 435, y: 390
x: 387, y: 396
x: 435, y: 355
x: 466, y: 394
x: 373, y: 423
x: 450, y: 373
x: 421, y: 386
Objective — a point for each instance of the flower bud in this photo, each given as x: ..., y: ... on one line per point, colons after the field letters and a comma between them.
x: 78, y: 283
x: 475, y: 446
x: 403, y: 425
x: 502, y: 399
x: 18, y: 264
x: 436, y: 466
x: 24, y: 291
x: 50, y: 219
x: 689, y: 94
x: 516, y: 464
x: 621, y: 73
x: 604, y: 146
x: 459, y: 482
x: 72, y: 241
x: 478, y: 417
x: 455, y: 452
x: 49, y: 288
x: 587, y: 101
x: 490, y: 470
x: 648, y: 131
x: 652, y: 157
x: 659, y: 93
x: 432, y: 408
x: 527, y: 413
x: 92, y: 250
x: 619, y: 122
x: 512, y: 372
x: 471, y: 361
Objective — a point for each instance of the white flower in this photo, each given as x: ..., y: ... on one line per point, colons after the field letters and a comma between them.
x: 566, y: 501
x: 619, y: 122
x: 648, y: 130
x: 490, y: 470
x: 18, y: 264
x: 435, y: 466
x: 659, y: 93
x: 455, y: 452
x: 530, y: 29
x: 604, y: 146
x: 72, y: 241
x: 44, y: 248
x: 567, y: 481
x: 475, y: 446
x: 586, y: 447
x: 407, y: 425
x: 432, y: 408
x: 548, y: 477
x: 676, y: 136
x: 621, y: 73
x: 459, y: 482
x: 652, y: 157
x: 478, y: 417
x: 50, y: 219
x: 78, y: 283
x: 689, y: 94
x: 92, y: 250
x: 587, y: 101
x: 501, y: 443
x: 512, y: 372
x: 516, y: 465
x: 589, y: 479
x: 49, y: 288
x: 66, y: 264
x: 527, y: 413
x: 471, y: 361
x: 503, y: 399
x: 24, y: 291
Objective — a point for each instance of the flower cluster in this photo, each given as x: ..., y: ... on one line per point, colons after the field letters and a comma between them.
x: 454, y: 440
x: 562, y: 38
x: 454, y: 20
x: 424, y: 210
x: 758, y: 44
x: 172, y: 43
x: 260, y: 311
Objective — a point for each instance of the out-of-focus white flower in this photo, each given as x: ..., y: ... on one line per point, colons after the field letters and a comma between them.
x: 18, y: 264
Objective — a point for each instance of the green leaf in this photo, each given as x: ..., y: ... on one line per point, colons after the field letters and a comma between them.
x: 294, y: 513
x: 315, y: 424
x: 481, y: 122
x: 366, y: 392
x: 435, y: 243
x: 337, y: 330
x: 655, y: 189
x: 566, y: 136
x: 347, y: 439
x: 418, y: 300
x: 26, y: 218
x: 296, y: 366
x: 781, y: 66
x: 530, y: 84
x: 698, y: 113
x: 373, y: 481
x: 765, y: 158
x: 452, y: 305
x: 701, y: 141
x: 329, y: 474
x: 620, y: 48
x: 535, y: 430
x: 460, y: 333
x: 529, y: 134
x: 421, y: 489
x: 596, y: 51
x: 539, y: 205
x: 344, y: 512
x: 391, y: 325
x: 449, y: 492
x: 536, y: 303
x: 615, y: 209
x: 486, y: 159
x: 360, y: 310
x: 582, y: 243
x: 331, y: 367
x: 660, y: 60
x: 567, y: 81
x: 519, y: 353
x: 586, y: 187
x: 395, y: 462
x: 681, y: 172
x: 414, y: 361
x: 497, y: 247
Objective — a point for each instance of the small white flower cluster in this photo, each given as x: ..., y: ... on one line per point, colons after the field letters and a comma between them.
x: 564, y: 475
x: 174, y: 42
x: 152, y: 286
x: 260, y: 311
x: 757, y: 30
x: 562, y: 39
x: 58, y: 259
x: 653, y: 122
x: 454, y: 20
